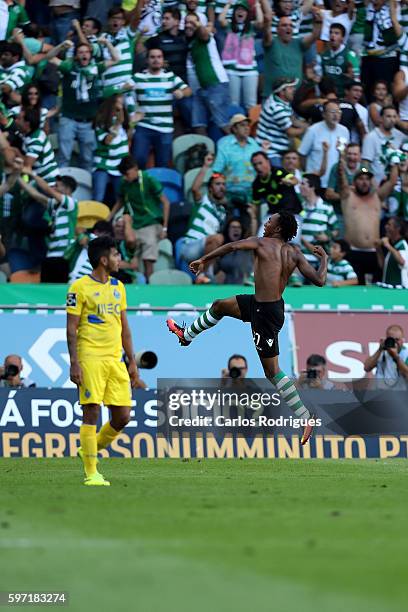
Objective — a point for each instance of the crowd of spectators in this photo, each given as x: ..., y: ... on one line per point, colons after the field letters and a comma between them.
x: 298, y: 105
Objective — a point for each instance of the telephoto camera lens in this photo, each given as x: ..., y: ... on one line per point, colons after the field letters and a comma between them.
x: 235, y: 372
x: 10, y: 371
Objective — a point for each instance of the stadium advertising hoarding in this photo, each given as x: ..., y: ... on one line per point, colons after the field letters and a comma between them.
x: 201, y: 296
x: 41, y: 335
x: 41, y: 342
x: 345, y: 339
x: 45, y: 423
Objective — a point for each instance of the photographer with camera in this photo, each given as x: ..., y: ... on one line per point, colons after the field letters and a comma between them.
x: 237, y: 367
x: 315, y: 375
x: 10, y: 374
x: 390, y: 359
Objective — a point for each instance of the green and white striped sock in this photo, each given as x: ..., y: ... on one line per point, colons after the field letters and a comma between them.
x: 205, y: 321
x: 288, y: 392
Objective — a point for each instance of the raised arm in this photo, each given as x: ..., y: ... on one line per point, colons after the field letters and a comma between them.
x: 33, y: 192
x: 307, y: 6
x: 266, y: 11
x: 344, y: 187
x: 249, y: 244
x: 222, y: 19
x: 259, y: 18
x: 394, y: 18
x: 78, y: 30
x: 115, y: 55
x: 8, y: 184
x: 267, y: 31
x: 318, y: 277
x: 45, y: 187
x: 6, y: 150
x: 317, y: 28
x: 387, y: 187
x: 135, y: 14
x: 51, y: 56
x: 12, y: 177
x: 199, y: 179
x: 323, y: 165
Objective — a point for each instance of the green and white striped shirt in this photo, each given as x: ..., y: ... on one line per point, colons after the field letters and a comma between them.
x: 121, y: 72
x: 403, y: 20
x: 403, y: 47
x: 306, y: 25
x: 82, y: 266
x: 15, y: 111
x: 206, y: 220
x: 38, y: 146
x: 64, y: 218
x: 274, y: 120
x: 16, y: 77
x: 108, y: 156
x: 320, y: 218
x: 339, y: 271
x: 154, y: 95
x: 393, y: 273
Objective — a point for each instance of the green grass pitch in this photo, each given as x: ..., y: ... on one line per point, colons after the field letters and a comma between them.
x: 221, y: 535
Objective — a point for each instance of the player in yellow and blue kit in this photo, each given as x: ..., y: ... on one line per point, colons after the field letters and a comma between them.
x: 97, y: 331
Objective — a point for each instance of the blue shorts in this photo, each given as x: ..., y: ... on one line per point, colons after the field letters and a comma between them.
x: 211, y: 103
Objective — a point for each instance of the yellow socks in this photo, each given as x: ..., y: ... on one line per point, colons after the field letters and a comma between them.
x: 87, y: 435
x: 106, y: 435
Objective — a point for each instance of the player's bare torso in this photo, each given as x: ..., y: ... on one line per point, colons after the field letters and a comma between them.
x: 274, y: 263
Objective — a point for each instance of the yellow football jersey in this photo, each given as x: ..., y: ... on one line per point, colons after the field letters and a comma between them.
x: 99, y: 305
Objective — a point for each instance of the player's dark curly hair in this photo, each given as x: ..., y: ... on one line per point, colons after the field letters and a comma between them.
x: 288, y: 225
x: 99, y: 247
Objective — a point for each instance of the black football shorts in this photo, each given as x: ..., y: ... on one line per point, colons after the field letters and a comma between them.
x: 266, y: 320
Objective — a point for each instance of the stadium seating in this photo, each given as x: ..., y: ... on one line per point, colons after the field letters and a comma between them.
x: 140, y: 279
x: 83, y: 179
x: 172, y: 183
x: 90, y: 211
x: 183, y: 143
x: 170, y: 277
x: 181, y: 264
x: 166, y: 259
